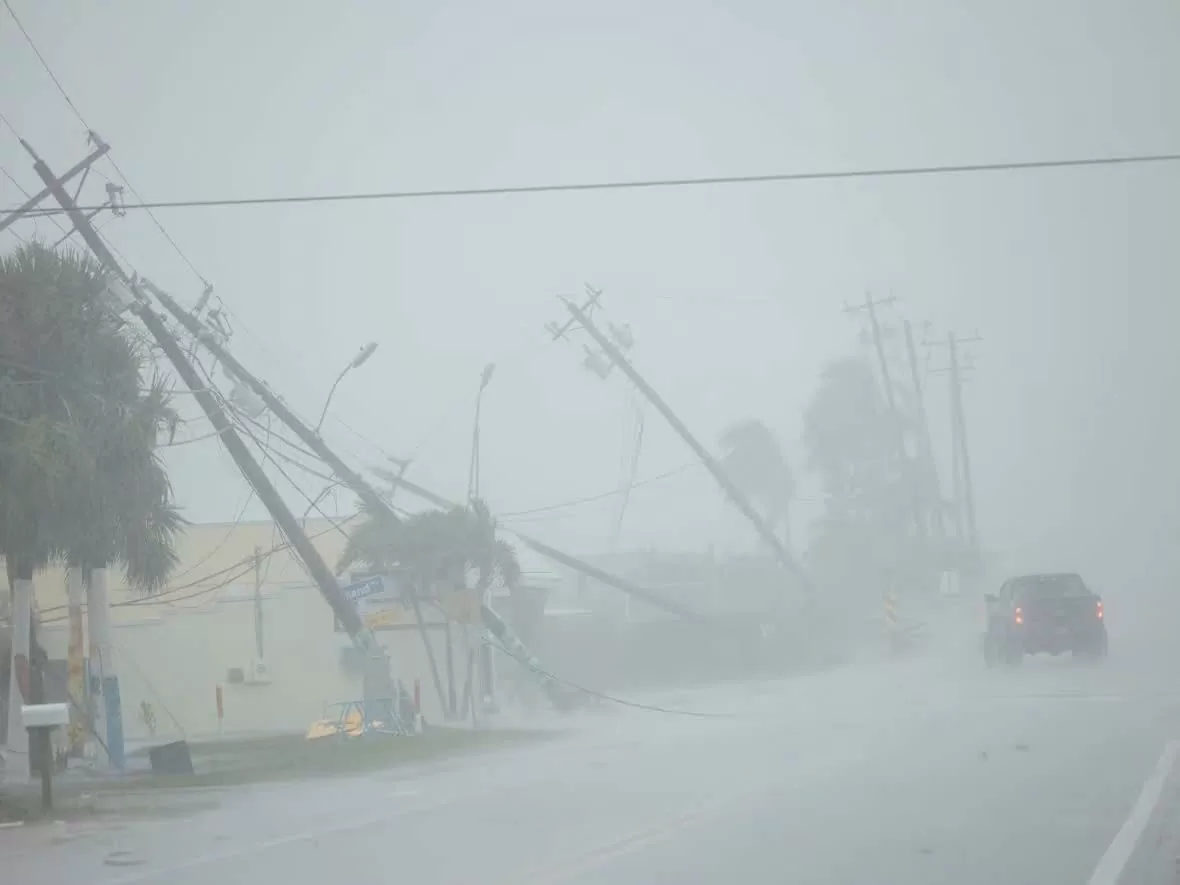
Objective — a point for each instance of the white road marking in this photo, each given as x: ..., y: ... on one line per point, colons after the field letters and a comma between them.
x: 1110, y: 867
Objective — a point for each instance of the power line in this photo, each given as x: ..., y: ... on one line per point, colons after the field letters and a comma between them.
x: 651, y: 183
x: 21, y: 187
x: 166, y: 596
x: 159, y: 226
x: 603, y: 696
x: 81, y: 119
x: 45, y: 65
x: 225, y: 540
x: 11, y: 128
x: 270, y: 456
x: 602, y: 496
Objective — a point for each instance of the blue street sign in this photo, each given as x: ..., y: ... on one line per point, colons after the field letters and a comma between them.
x: 371, y: 586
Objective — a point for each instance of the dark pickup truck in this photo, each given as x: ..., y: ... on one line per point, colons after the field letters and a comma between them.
x: 1043, y: 613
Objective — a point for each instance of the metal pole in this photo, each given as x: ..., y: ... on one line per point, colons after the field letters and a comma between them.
x: 473, y: 468
x: 331, y: 393
x: 258, y: 634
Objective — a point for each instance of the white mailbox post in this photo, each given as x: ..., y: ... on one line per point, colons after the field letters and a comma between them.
x: 39, y: 720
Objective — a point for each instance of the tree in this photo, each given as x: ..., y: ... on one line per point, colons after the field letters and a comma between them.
x: 438, y: 547
x: 851, y: 441
x: 754, y: 461
x: 79, y: 476
x: 861, y: 543
x: 83, y: 479
x: 438, y: 550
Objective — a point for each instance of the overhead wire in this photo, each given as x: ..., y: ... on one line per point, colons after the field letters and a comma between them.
x: 244, y: 566
x: 237, y: 521
x: 603, y: 696
x: 660, y: 183
x: 513, y: 514
x: 114, y: 163
x: 313, y: 503
x: 45, y: 64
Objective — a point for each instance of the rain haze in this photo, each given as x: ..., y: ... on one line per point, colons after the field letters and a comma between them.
x: 889, y: 710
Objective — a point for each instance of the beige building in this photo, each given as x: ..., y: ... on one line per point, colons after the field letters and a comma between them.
x: 176, y: 650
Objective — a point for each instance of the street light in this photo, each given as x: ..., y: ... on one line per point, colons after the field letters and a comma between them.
x: 355, y: 363
x: 473, y: 470
x: 483, y: 652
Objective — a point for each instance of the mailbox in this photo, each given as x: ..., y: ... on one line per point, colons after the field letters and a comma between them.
x: 45, y: 715
x: 39, y: 720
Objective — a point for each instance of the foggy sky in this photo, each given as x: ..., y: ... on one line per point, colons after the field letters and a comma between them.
x: 734, y: 295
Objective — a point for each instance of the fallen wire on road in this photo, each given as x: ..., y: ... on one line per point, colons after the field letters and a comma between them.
x: 650, y: 708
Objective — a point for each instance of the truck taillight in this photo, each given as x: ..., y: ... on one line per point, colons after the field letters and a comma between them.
x: 1018, y: 615
x: 1098, y: 611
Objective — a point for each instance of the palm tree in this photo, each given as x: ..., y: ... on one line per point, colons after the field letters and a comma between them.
x: 754, y: 461
x: 437, y: 550
x: 81, y: 478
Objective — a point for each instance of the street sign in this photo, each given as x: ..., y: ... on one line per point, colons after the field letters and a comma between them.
x: 383, y: 604
x: 373, y: 585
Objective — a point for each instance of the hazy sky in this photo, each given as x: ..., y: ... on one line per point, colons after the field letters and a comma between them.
x: 734, y: 295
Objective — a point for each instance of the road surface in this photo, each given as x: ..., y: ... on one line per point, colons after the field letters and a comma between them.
x: 923, y: 770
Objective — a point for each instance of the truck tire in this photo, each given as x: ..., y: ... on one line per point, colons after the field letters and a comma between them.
x: 989, y: 650
x: 1013, y: 654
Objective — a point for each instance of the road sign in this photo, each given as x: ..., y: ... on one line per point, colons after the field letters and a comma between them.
x: 374, y: 585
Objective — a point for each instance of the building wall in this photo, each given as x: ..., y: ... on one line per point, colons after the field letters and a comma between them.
x: 174, y: 648
x: 176, y: 661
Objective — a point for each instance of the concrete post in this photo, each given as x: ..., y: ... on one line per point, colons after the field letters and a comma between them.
x: 102, y: 650
x: 76, y: 660
x: 16, y: 756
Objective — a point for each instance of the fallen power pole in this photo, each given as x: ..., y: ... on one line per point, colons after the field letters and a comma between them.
x: 727, y: 486
x: 552, y: 553
x: 378, y: 684
x: 360, y: 486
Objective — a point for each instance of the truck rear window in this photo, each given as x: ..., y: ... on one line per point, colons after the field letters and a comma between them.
x: 1049, y: 587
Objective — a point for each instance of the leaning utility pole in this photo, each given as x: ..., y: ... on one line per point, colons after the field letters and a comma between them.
x: 962, y: 484
x: 377, y: 678
x: 925, y: 445
x: 552, y: 553
x: 960, y: 427
x: 349, y: 477
x: 731, y: 491
x: 870, y: 306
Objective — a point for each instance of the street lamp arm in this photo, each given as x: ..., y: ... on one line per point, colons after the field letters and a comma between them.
x: 331, y: 393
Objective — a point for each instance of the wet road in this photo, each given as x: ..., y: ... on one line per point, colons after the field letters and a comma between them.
x: 926, y: 770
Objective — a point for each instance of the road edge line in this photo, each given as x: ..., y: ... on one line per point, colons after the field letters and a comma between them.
x: 1114, y: 859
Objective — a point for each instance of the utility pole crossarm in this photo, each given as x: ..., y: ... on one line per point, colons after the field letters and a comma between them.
x: 97, y: 154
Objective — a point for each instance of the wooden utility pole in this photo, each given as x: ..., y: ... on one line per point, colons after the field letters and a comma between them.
x: 962, y: 485
x: 925, y: 445
x: 960, y: 433
x: 358, y: 484
x: 908, y: 477
x: 731, y: 491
